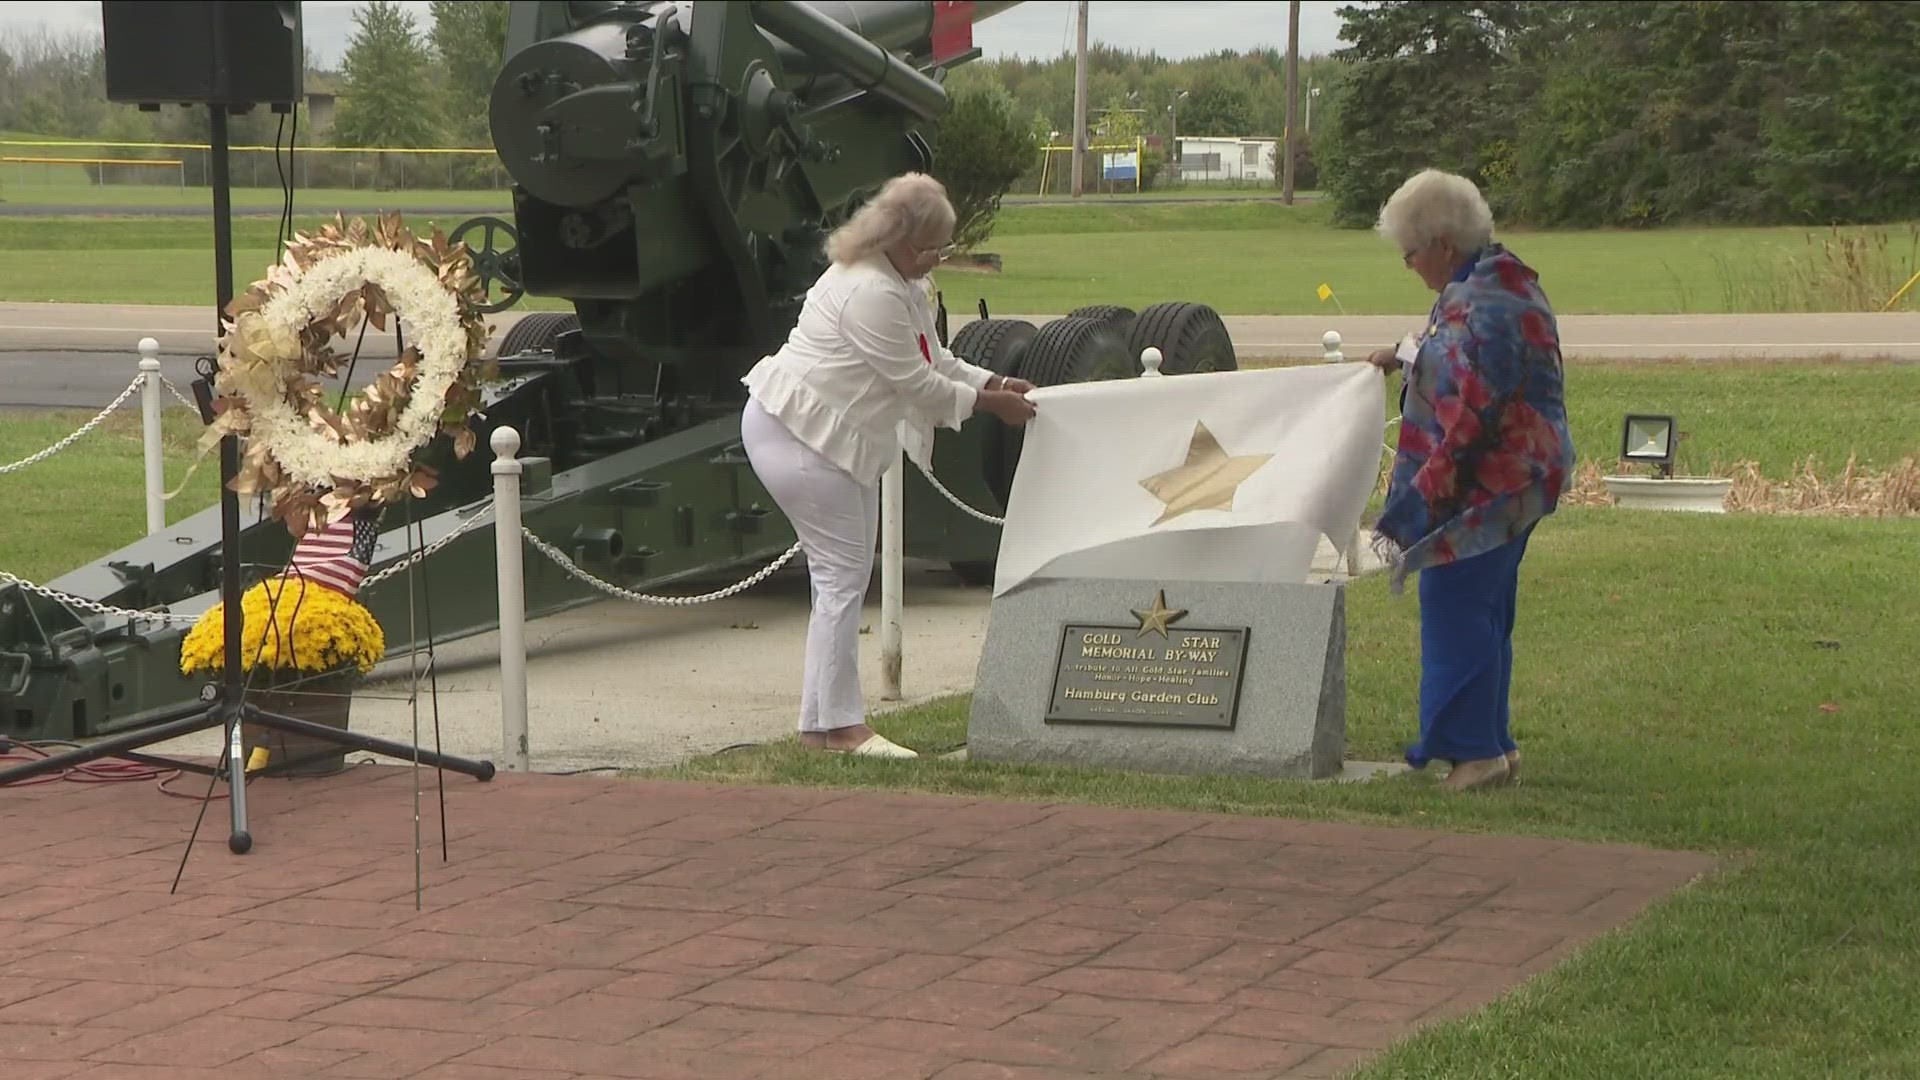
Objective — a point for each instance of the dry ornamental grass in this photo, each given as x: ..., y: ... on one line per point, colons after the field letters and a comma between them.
x: 1852, y: 492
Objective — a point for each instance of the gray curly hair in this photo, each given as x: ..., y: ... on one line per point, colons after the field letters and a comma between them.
x: 1433, y: 206
x: 908, y: 206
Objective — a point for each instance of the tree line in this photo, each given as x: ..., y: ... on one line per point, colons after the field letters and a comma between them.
x: 1634, y: 113
x: 1605, y: 113
x: 399, y: 85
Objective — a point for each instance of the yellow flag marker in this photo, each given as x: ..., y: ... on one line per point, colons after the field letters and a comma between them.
x: 1325, y: 292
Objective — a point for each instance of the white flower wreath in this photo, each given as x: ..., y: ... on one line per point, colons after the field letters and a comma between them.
x: 318, y: 464
x: 428, y: 317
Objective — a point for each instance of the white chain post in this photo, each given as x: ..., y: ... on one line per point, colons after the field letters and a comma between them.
x: 513, y: 598
x: 1150, y: 361
x: 150, y: 435
x: 892, y: 573
x: 1330, y: 348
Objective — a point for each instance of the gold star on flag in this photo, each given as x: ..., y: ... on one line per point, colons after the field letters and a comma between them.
x: 1157, y: 618
x: 1208, y: 481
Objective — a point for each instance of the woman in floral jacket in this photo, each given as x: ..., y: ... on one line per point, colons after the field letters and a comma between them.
x: 1483, y: 455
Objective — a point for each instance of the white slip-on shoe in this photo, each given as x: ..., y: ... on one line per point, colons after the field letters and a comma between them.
x: 881, y: 746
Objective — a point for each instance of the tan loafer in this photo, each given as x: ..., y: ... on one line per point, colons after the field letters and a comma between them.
x: 1468, y: 775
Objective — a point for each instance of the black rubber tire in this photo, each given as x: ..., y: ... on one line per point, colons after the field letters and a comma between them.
x: 1191, y: 338
x: 1074, y: 350
x: 537, y: 331
x: 1063, y: 351
x: 994, y: 344
x: 1108, y: 313
x: 999, y: 345
x: 1069, y: 350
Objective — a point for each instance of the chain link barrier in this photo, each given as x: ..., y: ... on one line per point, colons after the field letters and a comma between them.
x: 180, y: 397
x: 84, y: 429
x: 65, y: 598
x: 112, y: 612
x: 99, y: 418
x: 97, y: 608
x: 955, y: 499
x: 417, y: 557
x: 484, y: 515
x: 619, y: 593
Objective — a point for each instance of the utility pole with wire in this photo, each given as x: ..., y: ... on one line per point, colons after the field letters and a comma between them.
x: 1080, y: 103
x: 1293, y: 99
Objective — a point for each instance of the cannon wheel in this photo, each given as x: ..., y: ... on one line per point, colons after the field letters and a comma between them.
x: 492, y: 262
x: 1191, y: 338
x: 1108, y: 313
x: 537, y: 331
x: 999, y: 345
x: 1072, y: 350
x: 1063, y: 351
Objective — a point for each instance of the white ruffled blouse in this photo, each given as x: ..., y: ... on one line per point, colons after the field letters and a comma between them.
x: 863, y: 375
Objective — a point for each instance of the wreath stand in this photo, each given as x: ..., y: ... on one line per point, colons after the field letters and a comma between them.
x: 226, y: 706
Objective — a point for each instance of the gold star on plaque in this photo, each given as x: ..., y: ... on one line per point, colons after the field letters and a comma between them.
x: 1156, y: 619
x: 1208, y: 481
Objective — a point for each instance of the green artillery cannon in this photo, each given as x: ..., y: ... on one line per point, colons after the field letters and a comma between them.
x: 676, y: 169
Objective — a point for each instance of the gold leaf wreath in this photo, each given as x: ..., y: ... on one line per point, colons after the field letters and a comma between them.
x: 266, y: 361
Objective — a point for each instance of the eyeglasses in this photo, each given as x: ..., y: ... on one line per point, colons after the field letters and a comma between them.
x: 943, y: 253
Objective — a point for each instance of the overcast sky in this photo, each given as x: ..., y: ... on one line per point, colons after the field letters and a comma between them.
x: 1174, y: 28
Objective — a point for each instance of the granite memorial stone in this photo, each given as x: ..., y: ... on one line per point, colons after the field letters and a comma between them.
x: 1198, y: 677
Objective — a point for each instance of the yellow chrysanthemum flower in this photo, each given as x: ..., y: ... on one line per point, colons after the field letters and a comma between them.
x: 289, y: 625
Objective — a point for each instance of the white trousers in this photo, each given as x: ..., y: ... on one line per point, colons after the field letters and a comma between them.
x: 837, y: 520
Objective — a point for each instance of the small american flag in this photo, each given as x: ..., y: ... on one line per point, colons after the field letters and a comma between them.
x: 337, y: 556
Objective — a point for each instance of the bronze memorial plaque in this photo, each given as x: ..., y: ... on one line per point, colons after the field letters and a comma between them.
x: 1149, y: 673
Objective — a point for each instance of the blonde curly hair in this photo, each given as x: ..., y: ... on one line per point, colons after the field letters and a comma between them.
x: 908, y: 206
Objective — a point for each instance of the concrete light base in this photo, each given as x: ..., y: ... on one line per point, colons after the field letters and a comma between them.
x: 1695, y: 494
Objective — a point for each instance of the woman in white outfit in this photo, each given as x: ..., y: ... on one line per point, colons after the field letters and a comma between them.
x: 862, y: 374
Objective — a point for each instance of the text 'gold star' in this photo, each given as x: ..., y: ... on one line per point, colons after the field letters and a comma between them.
x: 1208, y: 481
x: 1157, y: 618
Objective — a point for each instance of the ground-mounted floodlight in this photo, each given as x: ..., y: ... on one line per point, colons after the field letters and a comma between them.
x: 1653, y: 439
x: 1649, y: 440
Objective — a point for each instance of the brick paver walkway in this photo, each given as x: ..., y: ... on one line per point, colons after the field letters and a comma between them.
x: 599, y: 927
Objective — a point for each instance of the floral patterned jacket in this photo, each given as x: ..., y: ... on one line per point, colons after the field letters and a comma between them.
x: 1484, y: 451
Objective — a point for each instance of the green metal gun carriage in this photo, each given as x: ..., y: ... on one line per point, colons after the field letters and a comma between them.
x: 677, y: 167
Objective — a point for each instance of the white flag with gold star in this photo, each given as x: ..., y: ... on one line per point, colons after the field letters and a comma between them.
x: 1226, y: 476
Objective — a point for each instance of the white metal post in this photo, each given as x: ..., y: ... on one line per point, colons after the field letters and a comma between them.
x: 150, y: 435
x: 892, y: 573
x: 1330, y: 348
x: 513, y: 598
x: 1150, y: 360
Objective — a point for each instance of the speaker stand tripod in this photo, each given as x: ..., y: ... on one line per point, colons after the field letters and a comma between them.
x: 226, y: 707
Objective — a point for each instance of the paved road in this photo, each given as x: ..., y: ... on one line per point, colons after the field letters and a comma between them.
x: 83, y: 354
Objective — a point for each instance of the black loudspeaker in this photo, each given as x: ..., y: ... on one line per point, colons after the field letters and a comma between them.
x: 235, y: 54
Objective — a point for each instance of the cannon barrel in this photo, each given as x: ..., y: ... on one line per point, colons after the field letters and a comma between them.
x: 894, y: 25
x: 593, y: 97
x: 866, y: 62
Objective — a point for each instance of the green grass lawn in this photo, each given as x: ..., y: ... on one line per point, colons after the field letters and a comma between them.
x: 1740, y: 685
x: 1242, y: 258
x: 1267, y: 259
x: 87, y: 500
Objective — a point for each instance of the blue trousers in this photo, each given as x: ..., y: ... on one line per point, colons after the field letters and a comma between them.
x: 1466, y: 655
